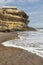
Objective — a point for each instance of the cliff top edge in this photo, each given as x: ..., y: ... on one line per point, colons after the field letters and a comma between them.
x: 9, y: 7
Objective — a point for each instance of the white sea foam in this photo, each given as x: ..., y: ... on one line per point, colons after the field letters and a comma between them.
x: 30, y: 49
x: 30, y: 41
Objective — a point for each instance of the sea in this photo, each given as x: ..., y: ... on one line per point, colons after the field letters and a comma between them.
x: 32, y: 41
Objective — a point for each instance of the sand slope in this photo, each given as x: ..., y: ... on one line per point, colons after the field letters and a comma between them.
x: 17, y: 56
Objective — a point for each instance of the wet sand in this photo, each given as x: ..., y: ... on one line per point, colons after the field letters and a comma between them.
x: 16, y: 56
x: 8, y: 36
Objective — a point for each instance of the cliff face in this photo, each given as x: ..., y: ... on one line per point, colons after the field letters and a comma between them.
x: 13, y: 19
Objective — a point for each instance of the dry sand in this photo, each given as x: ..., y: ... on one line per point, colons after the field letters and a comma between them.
x: 16, y: 56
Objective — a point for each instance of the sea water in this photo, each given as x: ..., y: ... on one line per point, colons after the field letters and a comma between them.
x: 31, y: 41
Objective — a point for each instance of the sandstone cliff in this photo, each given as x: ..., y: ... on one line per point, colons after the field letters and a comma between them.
x: 13, y: 19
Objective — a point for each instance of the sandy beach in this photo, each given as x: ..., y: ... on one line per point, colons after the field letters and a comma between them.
x: 16, y: 56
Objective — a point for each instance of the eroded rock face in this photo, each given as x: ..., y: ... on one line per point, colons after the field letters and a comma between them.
x: 13, y: 19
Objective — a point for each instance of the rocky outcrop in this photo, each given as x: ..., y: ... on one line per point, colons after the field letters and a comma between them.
x: 12, y: 19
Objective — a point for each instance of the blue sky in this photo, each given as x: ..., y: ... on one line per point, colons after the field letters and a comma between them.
x: 34, y: 8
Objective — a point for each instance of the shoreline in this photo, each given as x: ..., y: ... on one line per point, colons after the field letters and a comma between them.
x: 16, y: 56
x: 24, y: 48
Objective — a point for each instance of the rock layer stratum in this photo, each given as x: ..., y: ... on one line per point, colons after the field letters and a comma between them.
x: 12, y: 19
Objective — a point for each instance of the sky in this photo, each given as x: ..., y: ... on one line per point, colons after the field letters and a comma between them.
x: 33, y: 8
